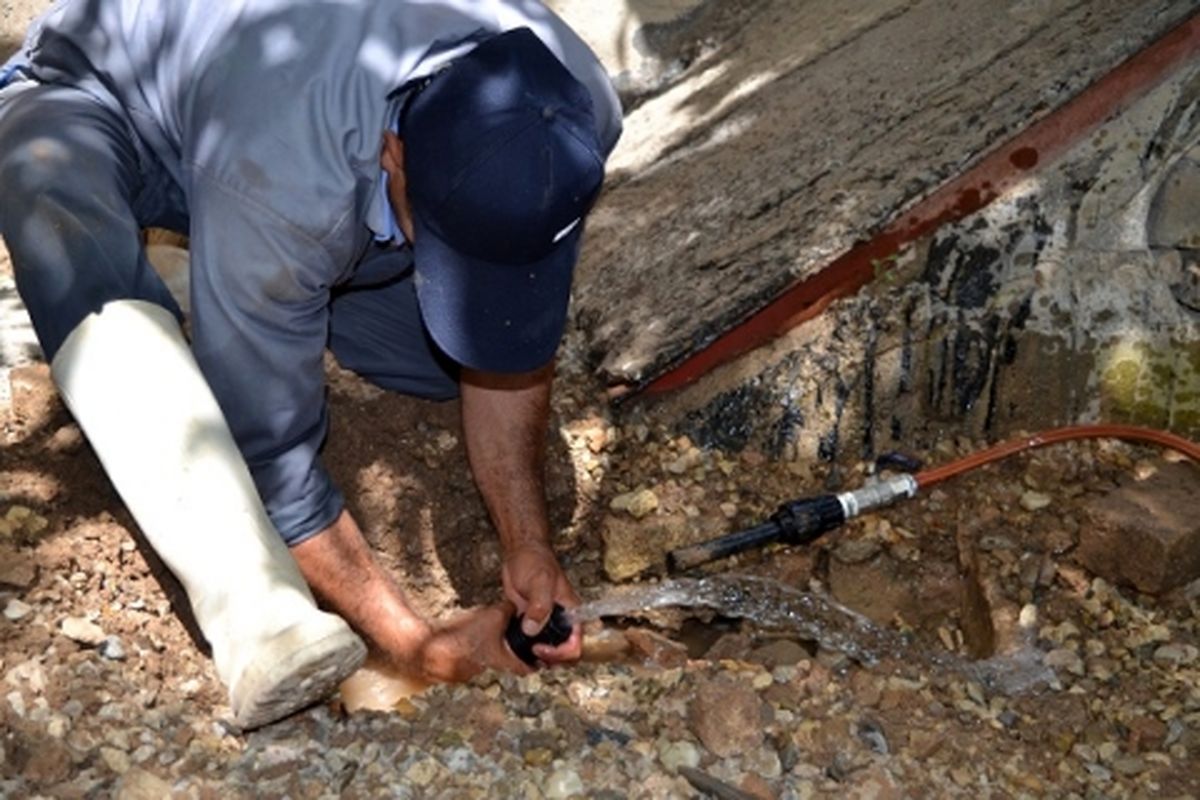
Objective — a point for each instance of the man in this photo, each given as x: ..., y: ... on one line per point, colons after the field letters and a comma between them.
x: 404, y: 182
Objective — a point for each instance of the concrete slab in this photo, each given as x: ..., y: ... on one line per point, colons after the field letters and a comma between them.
x: 810, y: 128
x: 1050, y: 306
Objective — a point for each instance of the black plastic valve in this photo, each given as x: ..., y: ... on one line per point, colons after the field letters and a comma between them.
x: 556, y: 631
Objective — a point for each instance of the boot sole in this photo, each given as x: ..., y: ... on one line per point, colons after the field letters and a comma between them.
x: 306, y: 675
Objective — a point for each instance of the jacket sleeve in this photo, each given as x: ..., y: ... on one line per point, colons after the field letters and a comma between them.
x: 260, y: 296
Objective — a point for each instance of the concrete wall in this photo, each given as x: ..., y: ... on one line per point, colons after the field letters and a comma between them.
x: 1066, y: 300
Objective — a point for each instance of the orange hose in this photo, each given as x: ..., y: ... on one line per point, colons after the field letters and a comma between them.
x: 929, y: 477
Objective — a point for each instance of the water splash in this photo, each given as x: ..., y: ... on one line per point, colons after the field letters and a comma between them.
x: 815, y: 616
x: 767, y: 603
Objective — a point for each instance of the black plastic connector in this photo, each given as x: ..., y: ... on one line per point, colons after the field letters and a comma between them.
x: 803, y: 521
x: 795, y: 522
x: 556, y: 631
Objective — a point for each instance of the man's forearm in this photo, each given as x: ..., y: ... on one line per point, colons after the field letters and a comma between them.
x: 340, y: 568
x: 504, y: 422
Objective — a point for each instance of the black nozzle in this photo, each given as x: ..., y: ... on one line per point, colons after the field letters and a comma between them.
x: 795, y: 522
x: 556, y: 631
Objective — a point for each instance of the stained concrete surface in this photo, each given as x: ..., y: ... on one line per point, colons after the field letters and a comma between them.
x: 809, y: 127
x: 1054, y: 305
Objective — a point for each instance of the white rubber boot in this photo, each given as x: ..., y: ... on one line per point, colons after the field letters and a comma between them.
x: 129, y: 378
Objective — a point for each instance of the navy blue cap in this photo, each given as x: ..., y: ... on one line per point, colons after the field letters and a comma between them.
x: 503, y: 162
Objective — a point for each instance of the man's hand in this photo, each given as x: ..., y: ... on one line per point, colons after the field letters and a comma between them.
x: 339, y: 566
x: 468, y: 643
x: 534, y: 582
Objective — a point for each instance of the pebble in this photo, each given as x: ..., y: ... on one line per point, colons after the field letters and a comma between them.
x: 28, y: 674
x: 1129, y: 766
x: 116, y: 760
x: 637, y: 504
x: 1066, y: 659
x: 112, y: 649
x: 1176, y: 654
x: 1034, y: 501
x: 81, y: 630
x: 727, y: 717
x: 563, y: 783
x: 856, y: 551
x: 16, y: 702
x: 764, y: 762
x: 674, y: 755
x: 16, y: 609
x: 139, y: 784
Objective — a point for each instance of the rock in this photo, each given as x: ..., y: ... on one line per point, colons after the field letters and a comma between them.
x: 1147, y: 734
x: 1176, y: 654
x: 674, y: 755
x: 871, y: 734
x: 66, y: 439
x: 631, y: 548
x: 138, y: 784
x: 16, y: 610
x: 856, y: 551
x: 656, y: 648
x: 27, y: 674
x: 1146, y: 534
x: 606, y: 644
x: 637, y: 504
x: 1065, y: 659
x: 563, y: 783
x: 1034, y: 501
x: 780, y: 653
x: 112, y: 649
x: 49, y: 762
x: 23, y: 524
x: 16, y: 702
x: 17, y: 569
x: 1129, y: 766
x: 81, y: 630
x: 726, y: 717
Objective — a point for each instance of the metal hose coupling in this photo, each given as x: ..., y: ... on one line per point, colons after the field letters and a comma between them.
x: 877, y: 493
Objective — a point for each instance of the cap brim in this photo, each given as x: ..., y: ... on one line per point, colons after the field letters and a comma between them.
x: 489, y: 316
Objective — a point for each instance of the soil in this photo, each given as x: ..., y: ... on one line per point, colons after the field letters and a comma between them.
x: 135, y: 709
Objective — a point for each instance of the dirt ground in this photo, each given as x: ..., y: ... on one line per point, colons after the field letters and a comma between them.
x: 131, y: 708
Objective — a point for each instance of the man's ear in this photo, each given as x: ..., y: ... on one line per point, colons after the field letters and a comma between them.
x: 391, y: 158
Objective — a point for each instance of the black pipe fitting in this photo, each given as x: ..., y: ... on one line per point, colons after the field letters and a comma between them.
x: 795, y: 522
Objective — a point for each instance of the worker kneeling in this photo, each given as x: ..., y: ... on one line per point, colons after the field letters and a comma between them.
x: 404, y: 183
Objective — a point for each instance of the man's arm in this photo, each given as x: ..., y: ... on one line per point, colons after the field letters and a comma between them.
x: 341, y: 569
x: 504, y: 423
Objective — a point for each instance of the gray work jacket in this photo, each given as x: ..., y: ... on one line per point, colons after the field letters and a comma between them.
x: 266, y: 117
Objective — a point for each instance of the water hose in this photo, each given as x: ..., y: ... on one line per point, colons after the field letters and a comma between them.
x: 802, y: 521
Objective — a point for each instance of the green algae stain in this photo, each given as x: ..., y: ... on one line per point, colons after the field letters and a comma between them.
x: 1150, y: 384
